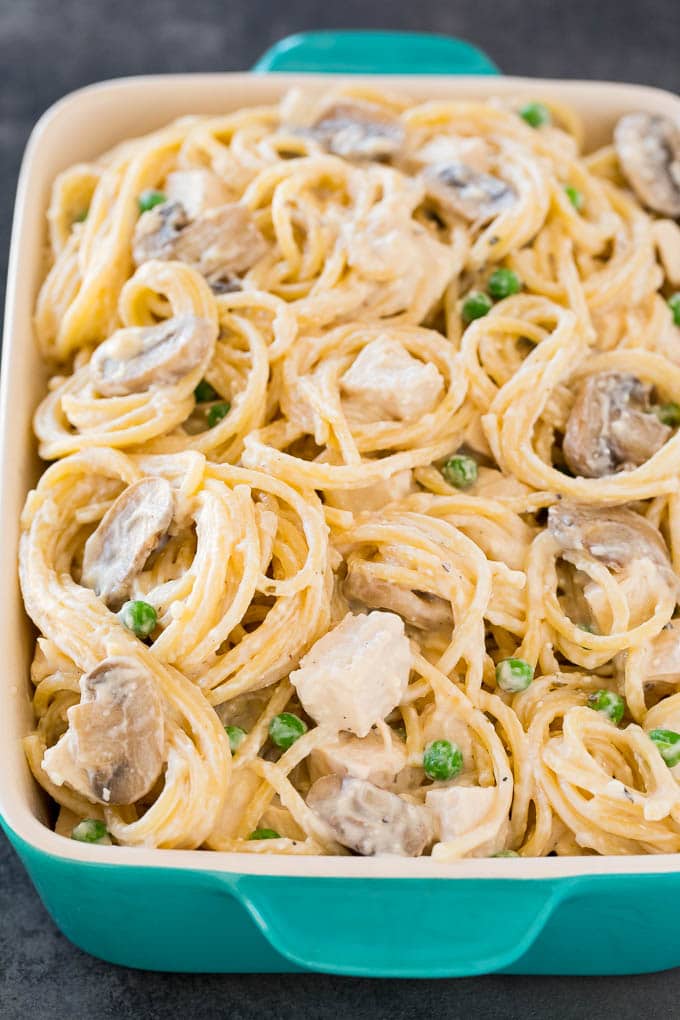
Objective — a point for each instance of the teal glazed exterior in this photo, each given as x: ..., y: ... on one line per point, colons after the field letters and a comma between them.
x: 175, y: 918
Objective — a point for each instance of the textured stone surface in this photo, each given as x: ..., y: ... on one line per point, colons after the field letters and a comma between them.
x: 49, y: 47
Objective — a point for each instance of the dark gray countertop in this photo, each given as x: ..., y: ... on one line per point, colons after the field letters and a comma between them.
x: 48, y: 48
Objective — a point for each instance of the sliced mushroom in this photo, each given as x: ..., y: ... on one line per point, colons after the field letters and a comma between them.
x: 218, y: 243
x: 369, y: 820
x: 358, y: 130
x: 157, y: 232
x: 459, y: 189
x: 615, y: 536
x: 134, y: 360
x: 127, y: 535
x: 648, y: 147
x: 611, y: 426
x: 370, y: 758
x: 420, y: 609
x: 113, y: 749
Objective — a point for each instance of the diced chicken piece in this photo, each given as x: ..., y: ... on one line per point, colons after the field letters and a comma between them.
x: 420, y: 609
x: 460, y: 809
x: 446, y: 149
x: 112, y: 751
x: 666, y: 235
x: 663, y: 664
x: 388, y: 383
x: 135, y: 359
x: 196, y: 190
x: 369, y: 820
x: 356, y: 674
x: 373, y: 497
x: 648, y: 147
x: 612, y: 426
x: 126, y: 536
x: 368, y: 758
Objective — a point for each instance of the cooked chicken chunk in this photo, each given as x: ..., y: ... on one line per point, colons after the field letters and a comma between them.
x: 460, y: 809
x: 356, y: 673
x: 375, y: 496
x: 126, y: 536
x: 369, y: 820
x: 136, y: 359
x: 385, y: 382
x: 648, y: 147
x: 612, y: 426
x: 368, y: 758
x: 196, y: 191
x: 112, y: 751
x: 663, y: 664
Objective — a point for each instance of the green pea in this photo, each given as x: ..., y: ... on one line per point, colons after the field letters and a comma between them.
x: 476, y: 305
x: 139, y: 617
x: 217, y: 412
x: 204, y: 392
x: 535, y: 114
x: 460, y: 471
x: 81, y: 217
x: 264, y: 834
x: 91, y: 830
x: 506, y: 853
x: 575, y: 197
x: 513, y: 675
x: 668, y: 743
x: 609, y: 704
x: 150, y: 198
x: 669, y: 414
x: 236, y: 737
x: 442, y: 760
x: 503, y: 283
x: 286, y: 728
x: 674, y: 305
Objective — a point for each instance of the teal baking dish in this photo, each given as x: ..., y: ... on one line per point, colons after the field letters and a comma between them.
x: 193, y: 911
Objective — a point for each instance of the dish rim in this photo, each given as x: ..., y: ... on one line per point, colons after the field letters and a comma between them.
x: 17, y: 814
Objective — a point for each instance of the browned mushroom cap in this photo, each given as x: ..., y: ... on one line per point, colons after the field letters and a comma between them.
x: 615, y: 536
x: 358, y: 130
x: 611, y: 426
x: 370, y: 820
x: 134, y: 360
x: 112, y: 751
x: 459, y: 189
x: 420, y: 609
x: 128, y: 533
x: 648, y: 147
x: 218, y: 243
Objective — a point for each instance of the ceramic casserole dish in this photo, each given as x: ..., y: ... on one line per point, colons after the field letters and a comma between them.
x: 194, y: 911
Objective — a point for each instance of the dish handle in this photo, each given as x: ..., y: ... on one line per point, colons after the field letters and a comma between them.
x: 375, y: 52
x: 400, y: 927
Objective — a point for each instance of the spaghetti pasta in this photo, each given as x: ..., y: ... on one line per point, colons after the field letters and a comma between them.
x: 362, y: 528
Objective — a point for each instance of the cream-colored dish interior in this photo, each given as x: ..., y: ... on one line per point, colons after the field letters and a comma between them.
x: 80, y: 128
